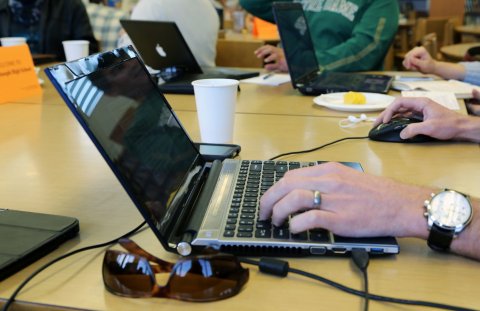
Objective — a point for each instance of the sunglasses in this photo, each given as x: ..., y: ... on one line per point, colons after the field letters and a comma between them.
x: 202, y: 278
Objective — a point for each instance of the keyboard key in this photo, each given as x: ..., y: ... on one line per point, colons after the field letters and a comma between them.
x: 319, y: 235
x: 302, y: 236
x: 229, y: 233
x: 264, y: 224
x: 244, y: 234
x: 263, y: 233
x: 246, y: 222
x: 230, y: 227
x: 281, y: 233
x: 247, y: 216
x: 245, y: 229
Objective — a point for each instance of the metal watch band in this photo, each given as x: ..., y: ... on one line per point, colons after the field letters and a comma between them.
x: 440, y: 239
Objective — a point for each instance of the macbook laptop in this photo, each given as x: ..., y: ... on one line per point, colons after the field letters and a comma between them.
x: 302, y: 62
x: 164, y: 48
x: 188, y: 202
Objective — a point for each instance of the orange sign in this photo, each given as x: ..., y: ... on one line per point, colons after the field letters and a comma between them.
x: 17, y: 74
x: 264, y: 30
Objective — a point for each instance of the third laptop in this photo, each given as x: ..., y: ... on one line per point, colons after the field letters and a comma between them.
x: 165, y: 48
x: 302, y: 62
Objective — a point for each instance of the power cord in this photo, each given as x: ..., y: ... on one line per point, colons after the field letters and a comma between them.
x: 281, y: 268
x: 48, y: 264
x: 316, y: 148
x: 361, y: 259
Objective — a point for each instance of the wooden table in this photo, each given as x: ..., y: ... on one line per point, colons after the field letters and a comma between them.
x: 468, y: 30
x: 456, y: 52
x: 49, y: 165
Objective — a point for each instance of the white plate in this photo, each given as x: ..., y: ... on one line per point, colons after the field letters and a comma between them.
x: 334, y: 101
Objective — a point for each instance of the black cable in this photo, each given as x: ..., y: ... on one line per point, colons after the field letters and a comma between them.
x: 361, y: 259
x: 86, y: 248
x: 358, y: 293
x: 317, y: 148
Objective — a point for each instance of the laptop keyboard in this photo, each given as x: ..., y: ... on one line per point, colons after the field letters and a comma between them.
x: 254, y: 179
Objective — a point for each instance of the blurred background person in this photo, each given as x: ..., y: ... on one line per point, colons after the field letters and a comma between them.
x: 419, y: 59
x: 46, y: 23
x: 354, y: 36
x: 197, y: 20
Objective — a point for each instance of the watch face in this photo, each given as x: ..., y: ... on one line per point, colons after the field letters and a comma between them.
x: 450, y: 209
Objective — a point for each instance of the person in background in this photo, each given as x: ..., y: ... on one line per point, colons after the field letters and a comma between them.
x: 357, y: 204
x: 349, y: 35
x: 105, y: 23
x: 419, y: 59
x: 46, y: 23
x: 197, y: 20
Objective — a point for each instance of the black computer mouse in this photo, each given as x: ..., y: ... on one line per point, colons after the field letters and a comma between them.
x: 390, y: 132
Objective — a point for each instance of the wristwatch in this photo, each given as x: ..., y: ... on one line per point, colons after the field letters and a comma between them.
x: 448, y: 213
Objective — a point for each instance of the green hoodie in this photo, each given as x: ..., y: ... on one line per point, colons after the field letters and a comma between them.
x: 348, y: 35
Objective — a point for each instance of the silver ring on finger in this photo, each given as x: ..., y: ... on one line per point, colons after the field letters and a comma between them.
x: 317, y: 199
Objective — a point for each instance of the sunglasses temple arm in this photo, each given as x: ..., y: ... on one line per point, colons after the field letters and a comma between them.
x: 132, y: 247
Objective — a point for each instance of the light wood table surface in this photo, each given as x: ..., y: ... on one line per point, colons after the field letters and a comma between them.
x: 456, y: 52
x: 49, y: 165
x: 280, y: 100
x: 468, y: 30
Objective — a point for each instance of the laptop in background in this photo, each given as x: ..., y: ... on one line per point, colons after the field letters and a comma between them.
x: 163, y: 47
x: 302, y: 62
x: 188, y: 202
x: 26, y: 237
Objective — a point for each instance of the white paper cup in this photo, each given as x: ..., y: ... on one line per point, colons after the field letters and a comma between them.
x: 11, y: 41
x: 75, y: 49
x: 215, y: 99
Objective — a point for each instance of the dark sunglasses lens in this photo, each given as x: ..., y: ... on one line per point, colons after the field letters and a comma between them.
x: 206, y: 278
x: 128, y: 275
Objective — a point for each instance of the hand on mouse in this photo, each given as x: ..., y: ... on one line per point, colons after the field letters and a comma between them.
x: 273, y: 57
x: 438, y: 122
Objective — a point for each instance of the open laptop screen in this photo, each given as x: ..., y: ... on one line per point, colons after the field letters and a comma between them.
x: 138, y: 134
x: 296, y: 41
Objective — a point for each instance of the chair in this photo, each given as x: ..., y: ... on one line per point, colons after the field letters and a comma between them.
x: 430, y: 43
x: 238, y: 53
x: 388, y: 60
x: 450, y: 35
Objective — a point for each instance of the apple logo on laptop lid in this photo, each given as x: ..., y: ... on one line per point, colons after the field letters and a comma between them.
x: 160, y: 50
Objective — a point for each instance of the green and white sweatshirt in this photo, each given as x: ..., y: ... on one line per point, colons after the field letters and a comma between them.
x: 348, y: 35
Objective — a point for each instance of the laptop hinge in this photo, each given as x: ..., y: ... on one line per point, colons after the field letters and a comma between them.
x: 197, y: 204
x: 307, y: 78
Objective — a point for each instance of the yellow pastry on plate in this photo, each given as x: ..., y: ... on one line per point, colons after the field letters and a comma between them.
x: 354, y: 98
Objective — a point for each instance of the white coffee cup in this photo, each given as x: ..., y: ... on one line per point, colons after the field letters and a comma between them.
x: 11, y: 41
x: 75, y: 49
x: 215, y: 99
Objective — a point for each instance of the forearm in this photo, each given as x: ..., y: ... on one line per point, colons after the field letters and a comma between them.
x: 468, y: 129
x: 449, y: 70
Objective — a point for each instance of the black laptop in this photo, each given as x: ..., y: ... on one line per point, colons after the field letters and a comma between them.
x: 27, y: 236
x: 163, y: 47
x: 302, y: 62
x: 188, y: 202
